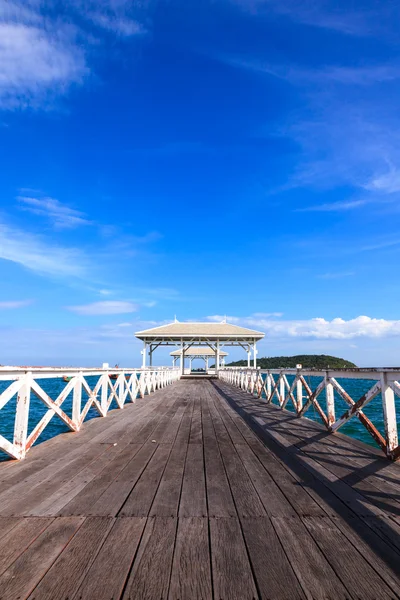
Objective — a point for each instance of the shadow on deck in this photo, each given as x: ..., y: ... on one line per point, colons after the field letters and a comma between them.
x: 200, y: 491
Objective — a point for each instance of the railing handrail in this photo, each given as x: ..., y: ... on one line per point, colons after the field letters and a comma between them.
x: 274, y: 383
x: 8, y: 373
x: 349, y: 372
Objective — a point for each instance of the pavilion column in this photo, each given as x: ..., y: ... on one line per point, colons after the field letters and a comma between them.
x: 206, y: 361
x: 144, y: 355
x: 217, y: 358
x: 248, y: 357
x: 255, y: 355
x: 151, y: 356
x: 183, y: 360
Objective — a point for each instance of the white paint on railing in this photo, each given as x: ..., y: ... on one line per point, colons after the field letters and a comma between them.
x: 129, y: 384
x: 270, y: 383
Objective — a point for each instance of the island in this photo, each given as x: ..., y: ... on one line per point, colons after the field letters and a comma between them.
x: 307, y: 361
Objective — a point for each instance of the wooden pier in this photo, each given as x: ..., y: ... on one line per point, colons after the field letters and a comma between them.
x: 200, y: 491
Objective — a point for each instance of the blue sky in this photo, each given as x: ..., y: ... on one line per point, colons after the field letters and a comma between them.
x: 199, y: 159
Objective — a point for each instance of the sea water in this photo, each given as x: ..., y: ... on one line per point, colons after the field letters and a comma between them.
x: 53, y: 387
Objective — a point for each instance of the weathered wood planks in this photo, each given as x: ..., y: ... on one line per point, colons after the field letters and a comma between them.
x: 207, y: 495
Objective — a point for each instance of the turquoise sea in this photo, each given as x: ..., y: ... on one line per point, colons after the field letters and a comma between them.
x: 355, y: 387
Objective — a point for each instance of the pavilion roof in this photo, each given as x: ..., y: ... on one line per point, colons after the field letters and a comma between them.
x: 199, y: 331
x: 198, y: 351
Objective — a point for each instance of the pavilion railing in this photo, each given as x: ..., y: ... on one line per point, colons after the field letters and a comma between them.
x: 303, y: 389
x: 20, y: 384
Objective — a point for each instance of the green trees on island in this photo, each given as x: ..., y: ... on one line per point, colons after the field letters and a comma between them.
x: 308, y: 361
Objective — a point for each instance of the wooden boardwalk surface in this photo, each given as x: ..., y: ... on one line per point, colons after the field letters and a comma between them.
x: 197, y: 492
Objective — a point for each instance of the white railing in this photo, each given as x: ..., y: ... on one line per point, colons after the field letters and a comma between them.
x: 120, y: 385
x: 274, y: 383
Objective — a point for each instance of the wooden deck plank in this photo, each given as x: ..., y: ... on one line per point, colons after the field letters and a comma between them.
x: 193, y: 499
x: 275, y: 503
x: 83, y: 501
x: 286, y: 504
x: 360, y: 579
x: 150, y: 575
x: 19, y: 538
x: 316, y: 576
x: 191, y: 568
x: 274, y: 574
x: 8, y: 523
x: 110, y: 502
x: 62, y: 580
x: 231, y: 571
x: 23, y: 575
x: 90, y: 487
x: 219, y: 495
x: 247, y: 500
x: 107, y: 576
x: 139, y: 501
x: 196, y: 431
x: 166, y: 501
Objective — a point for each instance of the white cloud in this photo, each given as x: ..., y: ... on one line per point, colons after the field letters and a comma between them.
x: 36, y: 65
x: 11, y: 304
x: 62, y: 216
x: 119, y: 24
x: 108, y: 307
x: 42, y: 55
x: 37, y: 254
x: 334, y: 206
x: 325, y: 15
x: 388, y: 182
x: 337, y: 275
x: 319, y: 328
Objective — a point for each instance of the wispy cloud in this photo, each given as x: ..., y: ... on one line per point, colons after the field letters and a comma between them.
x: 36, y: 253
x: 334, y: 206
x: 108, y: 307
x: 338, y: 275
x: 388, y: 182
x: 325, y: 15
x: 11, y: 304
x: 319, y: 328
x: 61, y: 216
x: 42, y: 56
x: 36, y: 65
x: 117, y: 23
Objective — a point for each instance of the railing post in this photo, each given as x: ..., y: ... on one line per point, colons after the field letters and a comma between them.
x: 77, y: 400
x: 104, y: 394
x: 330, y: 400
x: 282, y: 389
x: 299, y: 389
x: 389, y: 415
x: 269, y: 389
x: 22, y: 415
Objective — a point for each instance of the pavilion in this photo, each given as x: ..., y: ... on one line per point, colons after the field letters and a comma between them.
x: 211, y: 335
x: 202, y: 352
